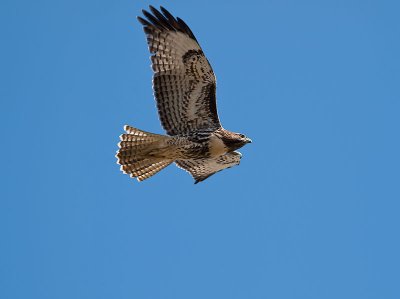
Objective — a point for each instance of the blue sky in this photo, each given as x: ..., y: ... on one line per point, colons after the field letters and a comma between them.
x: 311, y: 212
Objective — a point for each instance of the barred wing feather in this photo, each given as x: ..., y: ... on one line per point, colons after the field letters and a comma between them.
x: 184, y: 83
x: 202, y: 169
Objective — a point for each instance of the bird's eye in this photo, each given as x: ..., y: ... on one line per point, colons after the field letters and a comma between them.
x: 242, y: 136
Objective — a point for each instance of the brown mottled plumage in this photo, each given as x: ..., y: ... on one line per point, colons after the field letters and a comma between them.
x: 185, y: 89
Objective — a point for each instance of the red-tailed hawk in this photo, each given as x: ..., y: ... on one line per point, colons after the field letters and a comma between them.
x: 185, y: 89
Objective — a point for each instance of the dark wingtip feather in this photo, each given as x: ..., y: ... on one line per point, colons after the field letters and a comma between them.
x: 164, y: 10
x: 143, y: 21
x: 161, y: 18
x: 167, y: 13
x: 164, y: 20
x: 156, y: 22
x: 170, y: 18
x: 186, y: 28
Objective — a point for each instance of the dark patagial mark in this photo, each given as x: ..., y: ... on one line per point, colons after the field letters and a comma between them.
x: 189, y: 54
x: 211, y: 99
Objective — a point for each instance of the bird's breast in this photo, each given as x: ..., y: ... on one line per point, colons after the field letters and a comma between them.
x: 216, y: 146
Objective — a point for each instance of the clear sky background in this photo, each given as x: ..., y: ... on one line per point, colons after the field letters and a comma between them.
x: 311, y: 212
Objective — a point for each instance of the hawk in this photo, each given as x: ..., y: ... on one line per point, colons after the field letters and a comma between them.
x: 185, y: 90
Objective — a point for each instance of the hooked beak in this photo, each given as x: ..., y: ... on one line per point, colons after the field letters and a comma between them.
x: 248, y: 140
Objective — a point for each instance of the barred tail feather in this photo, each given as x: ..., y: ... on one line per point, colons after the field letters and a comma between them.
x: 144, y: 169
x: 136, y: 153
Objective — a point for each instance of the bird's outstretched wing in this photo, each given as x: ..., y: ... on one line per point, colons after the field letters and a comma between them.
x: 184, y: 83
x: 201, y: 169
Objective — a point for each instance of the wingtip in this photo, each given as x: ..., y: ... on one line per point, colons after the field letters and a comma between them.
x: 164, y: 10
x: 198, y: 181
x: 142, y: 21
x: 152, y: 8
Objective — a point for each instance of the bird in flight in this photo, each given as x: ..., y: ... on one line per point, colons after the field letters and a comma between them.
x: 185, y: 90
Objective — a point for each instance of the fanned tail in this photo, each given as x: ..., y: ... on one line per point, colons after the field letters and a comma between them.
x: 138, y: 153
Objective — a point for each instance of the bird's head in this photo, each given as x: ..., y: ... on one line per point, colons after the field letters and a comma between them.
x: 233, y: 141
x: 244, y: 138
